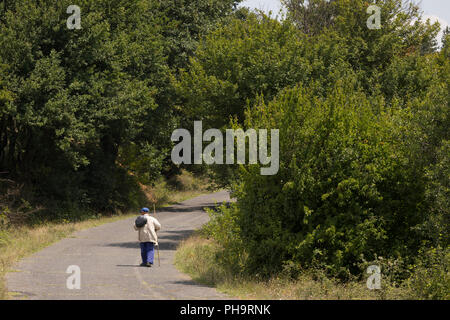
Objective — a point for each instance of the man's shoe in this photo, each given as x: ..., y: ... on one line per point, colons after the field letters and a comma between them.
x: 143, y: 264
x: 149, y: 264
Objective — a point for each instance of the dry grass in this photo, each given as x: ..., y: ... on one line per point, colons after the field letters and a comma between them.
x: 196, y: 256
x: 177, y: 189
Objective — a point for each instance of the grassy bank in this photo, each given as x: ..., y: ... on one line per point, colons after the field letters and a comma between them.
x: 17, y: 242
x: 197, y: 256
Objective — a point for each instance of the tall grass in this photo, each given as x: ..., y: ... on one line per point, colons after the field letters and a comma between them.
x: 198, y: 257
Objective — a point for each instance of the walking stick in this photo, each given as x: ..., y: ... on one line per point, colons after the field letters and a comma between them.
x: 159, y: 262
x: 157, y: 247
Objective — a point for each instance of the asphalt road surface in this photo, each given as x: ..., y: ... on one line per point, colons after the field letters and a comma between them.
x: 108, y: 257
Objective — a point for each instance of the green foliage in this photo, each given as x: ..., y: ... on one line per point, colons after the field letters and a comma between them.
x: 186, y: 181
x: 402, y: 27
x: 78, y: 94
x: 82, y: 109
x: 348, y: 191
x: 431, y: 277
x: 252, y: 57
x: 246, y: 58
x: 255, y: 55
x: 224, y: 229
x: 86, y: 116
x: 311, y: 17
x: 143, y: 160
x: 436, y: 227
x: 185, y: 21
x: 335, y: 199
x: 363, y: 135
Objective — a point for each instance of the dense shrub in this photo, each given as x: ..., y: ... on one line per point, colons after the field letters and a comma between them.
x: 364, y: 159
x: 430, y: 279
x: 223, y: 227
x: 345, y: 190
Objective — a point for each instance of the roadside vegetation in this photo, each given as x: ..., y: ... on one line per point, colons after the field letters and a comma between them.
x: 86, y: 118
x: 363, y: 118
x: 197, y: 257
x: 201, y: 258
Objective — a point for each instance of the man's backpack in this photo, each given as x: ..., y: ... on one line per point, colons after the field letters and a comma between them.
x: 140, y: 221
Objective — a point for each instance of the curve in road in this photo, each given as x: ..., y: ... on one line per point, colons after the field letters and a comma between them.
x: 109, y: 258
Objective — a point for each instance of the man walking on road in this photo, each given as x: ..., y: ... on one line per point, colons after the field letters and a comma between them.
x: 147, y: 236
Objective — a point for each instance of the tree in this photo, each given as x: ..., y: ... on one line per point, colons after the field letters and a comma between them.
x: 256, y: 55
x: 239, y: 61
x: 78, y: 94
x: 85, y: 107
x: 311, y: 17
x: 403, y: 31
x: 186, y: 21
x: 363, y: 118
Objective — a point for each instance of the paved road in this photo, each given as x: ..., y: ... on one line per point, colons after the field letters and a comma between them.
x: 109, y: 258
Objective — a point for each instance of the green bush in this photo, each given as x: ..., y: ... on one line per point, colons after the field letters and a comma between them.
x: 345, y: 190
x: 198, y: 258
x: 364, y: 154
x: 431, y: 277
x: 223, y: 228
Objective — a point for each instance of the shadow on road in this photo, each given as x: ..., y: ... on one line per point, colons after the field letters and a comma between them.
x: 129, y: 244
x: 168, y: 240
x: 191, y: 283
x: 129, y: 265
x: 178, y: 208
